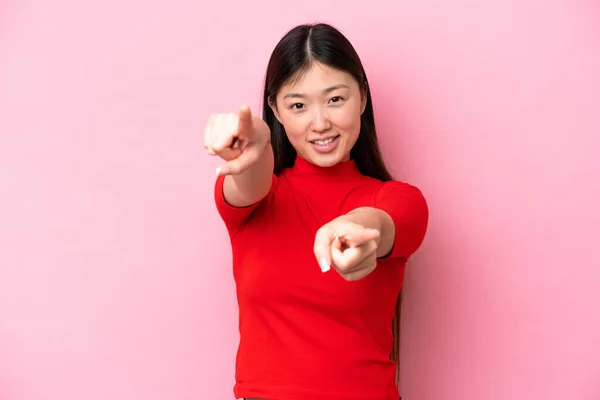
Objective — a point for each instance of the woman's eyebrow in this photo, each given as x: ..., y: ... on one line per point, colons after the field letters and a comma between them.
x: 327, y: 90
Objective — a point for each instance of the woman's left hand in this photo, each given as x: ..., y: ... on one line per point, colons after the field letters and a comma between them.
x: 348, y: 247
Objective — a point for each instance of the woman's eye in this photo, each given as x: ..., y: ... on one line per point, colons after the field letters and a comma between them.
x: 297, y: 106
x: 336, y: 99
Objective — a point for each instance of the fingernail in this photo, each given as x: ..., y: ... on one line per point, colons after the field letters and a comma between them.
x: 324, y: 265
x: 221, y: 171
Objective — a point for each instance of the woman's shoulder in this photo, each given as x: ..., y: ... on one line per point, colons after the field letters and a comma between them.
x: 391, y: 190
x: 397, y: 185
x: 379, y: 186
x: 396, y: 193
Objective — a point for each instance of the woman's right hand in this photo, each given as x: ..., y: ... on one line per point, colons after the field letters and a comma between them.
x: 239, y: 139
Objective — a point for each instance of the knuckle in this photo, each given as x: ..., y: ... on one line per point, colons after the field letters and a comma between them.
x: 318, y: 240
x: 342, y: 265
x: 318, y: 249
x: 323, y: 231
x: 228, y: 154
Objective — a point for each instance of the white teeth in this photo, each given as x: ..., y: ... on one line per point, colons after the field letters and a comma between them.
x: 324, y: 142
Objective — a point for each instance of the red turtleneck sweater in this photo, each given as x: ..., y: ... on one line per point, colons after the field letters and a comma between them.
x: 305, y: 334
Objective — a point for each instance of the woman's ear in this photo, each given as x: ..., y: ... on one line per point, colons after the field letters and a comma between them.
x: 364, y: 93
x: 273, y: 106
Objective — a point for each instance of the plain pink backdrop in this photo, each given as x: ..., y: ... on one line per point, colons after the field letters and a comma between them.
x: 115, y: 278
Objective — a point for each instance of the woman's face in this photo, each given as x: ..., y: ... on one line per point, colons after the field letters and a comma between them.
x: 320, y: 112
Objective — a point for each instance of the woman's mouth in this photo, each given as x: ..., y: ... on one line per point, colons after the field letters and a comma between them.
x: 326, y: 145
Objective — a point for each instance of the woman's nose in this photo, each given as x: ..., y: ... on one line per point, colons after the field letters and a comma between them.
x: 320, y: 122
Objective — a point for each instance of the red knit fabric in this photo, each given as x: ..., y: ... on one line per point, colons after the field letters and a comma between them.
x: 305, y: 334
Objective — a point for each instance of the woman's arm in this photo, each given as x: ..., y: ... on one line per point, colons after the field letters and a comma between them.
x: 253, y: 184
x: 400, y: 212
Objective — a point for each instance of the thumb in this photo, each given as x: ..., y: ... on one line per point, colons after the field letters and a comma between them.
x: 358, y: 237
x: 244, y: 120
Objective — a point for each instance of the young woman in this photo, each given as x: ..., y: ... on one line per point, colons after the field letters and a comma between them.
x: 320, y: 232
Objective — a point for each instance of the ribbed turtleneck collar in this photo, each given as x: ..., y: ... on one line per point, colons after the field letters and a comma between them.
x: 302, y: 167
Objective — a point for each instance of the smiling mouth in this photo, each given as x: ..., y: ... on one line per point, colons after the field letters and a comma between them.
x: 326, y: 141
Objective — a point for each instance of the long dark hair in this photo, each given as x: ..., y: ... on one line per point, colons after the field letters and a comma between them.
x: 293, y: 55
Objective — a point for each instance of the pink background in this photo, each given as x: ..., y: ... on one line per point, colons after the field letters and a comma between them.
x: 115, y: 280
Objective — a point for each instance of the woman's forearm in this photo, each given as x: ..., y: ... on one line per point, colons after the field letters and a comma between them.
x: 253, y: 184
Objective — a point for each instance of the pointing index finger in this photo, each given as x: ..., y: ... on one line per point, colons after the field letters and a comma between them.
x: 244, y: 120
x: 360, y: 236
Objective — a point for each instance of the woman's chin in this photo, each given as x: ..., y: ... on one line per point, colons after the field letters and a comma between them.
x: 326, y: 160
